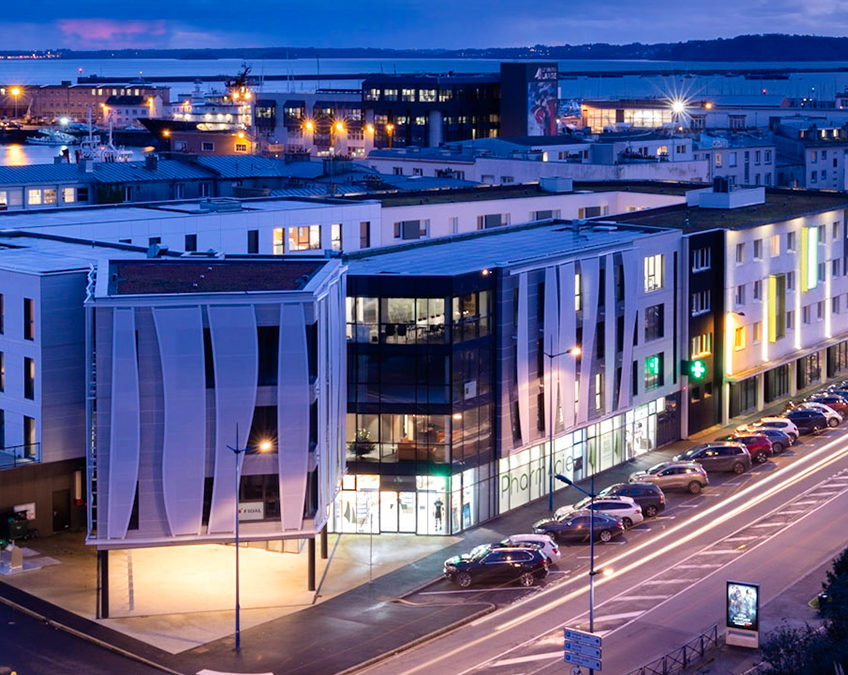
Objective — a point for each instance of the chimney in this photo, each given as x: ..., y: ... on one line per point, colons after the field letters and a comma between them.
x: 86, y: 165
x: 151, y: 162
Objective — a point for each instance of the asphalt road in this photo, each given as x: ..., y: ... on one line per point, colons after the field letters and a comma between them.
x: 768, y: 526
x: 31, y: 647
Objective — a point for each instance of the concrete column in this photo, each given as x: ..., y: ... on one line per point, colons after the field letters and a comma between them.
x: 102, y: 584
x: 793, y: 378
x: 324, y: 553
x: 310, y: 548
x: 725, y: 404
x: 761, y: 391
x: 435, y: 136
x: 823, y: 365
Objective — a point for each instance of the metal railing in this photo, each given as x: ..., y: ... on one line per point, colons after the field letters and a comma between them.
x: 14, y: 456
x: 682, y: 657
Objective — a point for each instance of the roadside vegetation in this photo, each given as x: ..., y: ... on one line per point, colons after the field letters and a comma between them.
x: 813, y: 650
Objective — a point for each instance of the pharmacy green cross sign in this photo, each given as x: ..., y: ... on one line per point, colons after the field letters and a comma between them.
x: 697, y: 369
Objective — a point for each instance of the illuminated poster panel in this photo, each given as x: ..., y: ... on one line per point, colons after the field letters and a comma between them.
x: 743, y: 614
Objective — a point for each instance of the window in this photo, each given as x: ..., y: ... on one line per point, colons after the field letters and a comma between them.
x: 820, y: 310
x: 757, y: 330
x: 336, y: 236
x: 740, y: 253
x: 205, y: 189
x: 207, y: 146
x: 578, y: 292
x: 653, y: 372
x: 654, y: 272
x: 790, y: 320
x: 190, y: 242
x: 2, y: 312
x: 790, y: 281
x: 241, y: 147
x: 758, y: 290
x: 654, y: 322
x: 29, y: 319
x: 758, y: 249
x: 30, y: 449
x: 702, y: 345
x: 154, y: 240
x: 599, y: 391
x: 701, y: 302
x: 69, y: 195
x: 790, y: 241
x: 775, y: 245
x: 304, y: 237
x: 278, y: 244
x: 739, y: 296
x: 834, y: 267
x: 835, y: 231
x: 253, y: 241
x: 822, y: 271
x: 179, y: 191
x: 701, y: 259
x: 34, y: 196
x: 29, y: 378
x: 365, y: 234
x: 834, y: 306
x: 2, y: 373
x: 739, y: 338
x: 768, y: 156
x: 411, y: 229
x: 805, y: 314
x: 718, y: 159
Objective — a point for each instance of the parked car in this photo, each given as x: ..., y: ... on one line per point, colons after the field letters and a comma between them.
x: 689, y: 476
x: 577, y: 527
x: 624, y: 509
x: 543, y: 541
x: 757, y: 444
x: 837, y: 400
x: 833, y: 417
x: 807, y: 421
x: 830, y: 410
x: 783, y: 423
x: 497, y: 564
x: 780, y: 440
x: 647, y: 495
x: 725, y: 456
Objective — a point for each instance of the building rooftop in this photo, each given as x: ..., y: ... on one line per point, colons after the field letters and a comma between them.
x: 43, y: 254
x: 780, y: 205
x: 486, y: 249
x: 210, y: 275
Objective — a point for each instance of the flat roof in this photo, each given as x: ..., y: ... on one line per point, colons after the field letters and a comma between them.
x: 497, y: 247
x: 780, y: 205
x: 44, y: 254
x: 209, y: 275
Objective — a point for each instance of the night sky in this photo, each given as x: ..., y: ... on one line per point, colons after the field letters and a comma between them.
x: 404, y: 23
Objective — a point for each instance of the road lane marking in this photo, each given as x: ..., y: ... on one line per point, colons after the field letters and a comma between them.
x: 650, y: 582
x: 792, y: 512
x: 696, y: 567
x: 525, y: 659
x: 746, y: 538
x: 479, y: 590
x: 635, y: 598
x: 717, y: 551
x: 766, y: 525
x: 616, y: 617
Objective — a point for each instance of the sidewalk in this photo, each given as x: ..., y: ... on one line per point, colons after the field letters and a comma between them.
x: 354, y: 616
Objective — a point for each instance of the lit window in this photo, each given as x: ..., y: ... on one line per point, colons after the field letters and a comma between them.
x: 34, y: 197
x: 279, y: 242
x: 775, y: 245
x: 69, y: 195
x: 654, y: 272
x: 739, y: 338
x: 304, y: 237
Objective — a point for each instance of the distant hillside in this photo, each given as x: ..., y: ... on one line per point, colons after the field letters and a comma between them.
x: 764, y: 48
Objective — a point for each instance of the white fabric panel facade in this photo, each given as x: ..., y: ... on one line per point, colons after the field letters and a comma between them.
x: 567, y: 341
x: 180, y: 334
x: 630, y: 261
x: 522, y: 365
x: 589, y: 269
x: 293, y: 403
x: 236, y: 364
x: 551, y: 343
x: 124, y: 433
x: 609, y: 336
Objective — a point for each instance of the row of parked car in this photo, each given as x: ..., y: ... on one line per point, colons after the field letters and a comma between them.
x: 526, y: 557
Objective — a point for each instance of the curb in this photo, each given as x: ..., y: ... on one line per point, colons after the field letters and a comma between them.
x: 84, y: 636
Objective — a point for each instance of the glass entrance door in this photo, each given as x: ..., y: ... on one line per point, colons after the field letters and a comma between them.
x: 388, y: 512
x: 406, y: 512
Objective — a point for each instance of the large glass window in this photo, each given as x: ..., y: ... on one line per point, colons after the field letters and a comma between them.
x: 398, y: 438
x: 654, y: 322
x: 654, y: 272
x: 471, y: 315
x: 304, y: 237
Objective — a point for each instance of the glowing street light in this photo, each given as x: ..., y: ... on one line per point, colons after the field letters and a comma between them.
x: 309, y: 125
x: 264, y: 446
x: 340, y: 127
x: 15, y: 92
x: 389, y: 129
x: 678, y: 106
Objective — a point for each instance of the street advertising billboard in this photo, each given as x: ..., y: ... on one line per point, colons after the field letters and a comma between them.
x: 542, y: 102
x: 743, y: 613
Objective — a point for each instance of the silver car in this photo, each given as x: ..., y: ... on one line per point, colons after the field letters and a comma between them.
x: 689, y: 476
x: 624, y: 509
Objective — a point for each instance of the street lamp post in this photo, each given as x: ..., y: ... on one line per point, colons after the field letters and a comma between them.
x: 389, y: 131
x: 591, y: 495
x: 574, y: 351
x: 262, y: 447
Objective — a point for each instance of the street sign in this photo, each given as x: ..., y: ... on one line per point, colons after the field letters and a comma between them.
x: 583, y: 650
x: 579, y: 660
x: 583, y: 637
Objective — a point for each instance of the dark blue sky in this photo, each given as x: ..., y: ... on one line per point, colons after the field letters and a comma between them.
x: 404, y: 23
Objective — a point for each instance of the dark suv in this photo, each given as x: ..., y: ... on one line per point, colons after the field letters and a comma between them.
x: 647, y: 495
x: 718, y: 457
x: 494, y: 563
x: 807, y: 421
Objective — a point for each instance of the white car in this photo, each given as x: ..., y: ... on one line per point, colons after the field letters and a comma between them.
x: 785, y: 425
x: 622, y: 508
x: 833, y: 417
x: 547, y: 544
